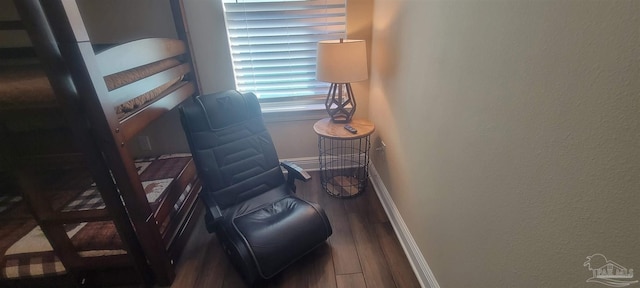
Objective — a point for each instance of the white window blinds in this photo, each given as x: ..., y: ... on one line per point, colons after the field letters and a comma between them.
x: 273, y: 43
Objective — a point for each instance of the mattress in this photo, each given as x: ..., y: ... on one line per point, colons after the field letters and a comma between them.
x: 26, y: 252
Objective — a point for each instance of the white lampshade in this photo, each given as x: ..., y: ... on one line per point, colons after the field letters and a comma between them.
x: 342, y: 61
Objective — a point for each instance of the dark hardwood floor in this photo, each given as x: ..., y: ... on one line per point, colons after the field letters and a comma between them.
x: 362, y: 252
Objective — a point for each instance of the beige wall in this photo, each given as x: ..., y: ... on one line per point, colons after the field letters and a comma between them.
x: 513, y: 133
x: 359, y: 26
x: 113, y: 21
x: 119, y: 21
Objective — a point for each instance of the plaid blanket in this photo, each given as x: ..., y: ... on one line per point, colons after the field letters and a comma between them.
x: 87, y: 200
x: 37, y: 264
x: 25, y: 250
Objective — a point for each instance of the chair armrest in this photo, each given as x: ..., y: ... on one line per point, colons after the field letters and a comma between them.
x: 295, y: 171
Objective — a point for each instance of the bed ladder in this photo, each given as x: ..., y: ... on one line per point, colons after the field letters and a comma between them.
x: 61, y: 42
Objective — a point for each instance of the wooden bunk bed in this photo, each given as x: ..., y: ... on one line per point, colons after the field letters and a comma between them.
x: 86, y: 212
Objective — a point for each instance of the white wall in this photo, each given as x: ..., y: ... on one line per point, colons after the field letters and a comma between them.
x: 513, y: 135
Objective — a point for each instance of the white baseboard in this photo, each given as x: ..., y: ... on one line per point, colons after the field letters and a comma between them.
x: 416, y: 259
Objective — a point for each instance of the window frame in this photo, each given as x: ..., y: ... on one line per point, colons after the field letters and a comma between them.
x: 293, y: 107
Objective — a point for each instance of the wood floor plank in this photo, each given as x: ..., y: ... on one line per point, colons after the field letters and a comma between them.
x: 343, y: 249
x: 297, y: 274
x: 310, y: 190
x: 322, y: 274
x: 374, y: 265
x: 401, y: 270
x: 212, y: 270
x: 355, y: 280
x: 368, y: 204
x: 192, y: 257
x: 358, y: 204
x: 375, y: 210
x: 232, y: 278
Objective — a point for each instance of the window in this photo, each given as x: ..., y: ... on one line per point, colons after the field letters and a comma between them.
x: 273, y: 44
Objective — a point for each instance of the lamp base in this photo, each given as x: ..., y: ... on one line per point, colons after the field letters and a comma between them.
x: 340, y: 106
x: 340, y: 120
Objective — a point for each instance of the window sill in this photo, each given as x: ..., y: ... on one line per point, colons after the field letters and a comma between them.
x: 292, y: 111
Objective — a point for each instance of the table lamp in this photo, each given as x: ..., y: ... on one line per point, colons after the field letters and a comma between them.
x: 341, y: 62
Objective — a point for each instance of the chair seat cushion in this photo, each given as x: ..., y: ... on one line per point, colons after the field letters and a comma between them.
x: 277, y: 228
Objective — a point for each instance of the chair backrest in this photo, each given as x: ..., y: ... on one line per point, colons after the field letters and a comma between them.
x: 231, y: 147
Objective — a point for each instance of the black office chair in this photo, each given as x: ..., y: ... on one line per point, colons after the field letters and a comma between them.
x: 262, y: 226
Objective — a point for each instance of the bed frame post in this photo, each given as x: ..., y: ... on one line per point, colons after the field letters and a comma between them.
x: 180, y: 22
x: 62, y: 44
x: 70, y: 33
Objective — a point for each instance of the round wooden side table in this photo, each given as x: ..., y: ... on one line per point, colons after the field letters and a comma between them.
x: 344, y: 156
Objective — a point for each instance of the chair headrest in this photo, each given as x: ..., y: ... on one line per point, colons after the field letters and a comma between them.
x: 227, y: 108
